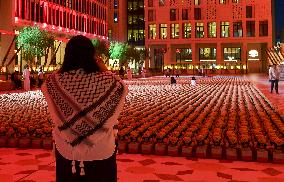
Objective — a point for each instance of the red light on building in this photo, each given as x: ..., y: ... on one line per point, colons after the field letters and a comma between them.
x: 208, y: 32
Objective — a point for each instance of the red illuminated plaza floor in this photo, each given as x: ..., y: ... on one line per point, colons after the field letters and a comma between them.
x: 36, y: 165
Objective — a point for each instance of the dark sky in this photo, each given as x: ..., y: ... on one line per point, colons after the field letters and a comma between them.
x: 279, y: 17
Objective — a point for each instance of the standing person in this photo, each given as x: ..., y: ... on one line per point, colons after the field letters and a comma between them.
x: 121, y: 72
x: 168, y: 72
x: 40, y: 77
x: 274, y: 76
x: 26, y: 76
x: 193, y: 81
x: 177, y: 72
x: 33, y: 78
x: 13, y: 79
x: 143, y: 72
x: 173, y: 80
x: 129, y: 73
x: 84, y: 100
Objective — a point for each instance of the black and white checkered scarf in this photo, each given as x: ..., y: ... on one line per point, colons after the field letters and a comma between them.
x: 83, y: 102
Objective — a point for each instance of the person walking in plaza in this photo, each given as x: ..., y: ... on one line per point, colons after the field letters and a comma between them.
x: 129, y: 73
x: 16, y: 80
x: 177, y: 72
x: 121, y: 72
x: 40, y: 77
x: 193, y: 81
x: 143, y: 73
x: 168, y: 72
x: 173, y: 80
x: 26, y: 77
x: 274, y: 76
x: 84, y: 100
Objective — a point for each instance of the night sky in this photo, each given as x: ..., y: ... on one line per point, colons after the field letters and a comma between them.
x: 279, y: 18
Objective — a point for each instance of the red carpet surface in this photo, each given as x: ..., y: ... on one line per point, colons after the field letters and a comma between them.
x: 32, y: 165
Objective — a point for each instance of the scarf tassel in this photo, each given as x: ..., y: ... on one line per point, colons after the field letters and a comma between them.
x: 82, y: 173
x: 73, y: 167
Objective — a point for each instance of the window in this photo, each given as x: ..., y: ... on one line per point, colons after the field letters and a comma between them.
x: 150, y: 3
x: 263, y: 28
x: 232, y: 54
x: 236, y: 1
x: 163, y: 31
x: 152, y: 31
x: 212, y: 29
x: 186, y: 30
x: 238, y: 29
x: 250, y: 28
x: 197, y: 13
x: 196, y: 2
x: 184, y: 14
x: 183, y: 54
x: 174, y: 31
x: 249, y: 13
x: 225, y: 29
x: 151, y: 16
x: 199, y: 30
x: 222, y: 1
x: 162, y: 2
x: 115, y: 17
x: 115, y: 4
x: 207, y: 53
x: 173, y: 13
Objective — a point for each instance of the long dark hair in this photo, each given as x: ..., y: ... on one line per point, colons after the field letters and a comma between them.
x: 79, y: 53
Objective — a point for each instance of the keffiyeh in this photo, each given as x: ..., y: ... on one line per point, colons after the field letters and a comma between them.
x: 83, y: 101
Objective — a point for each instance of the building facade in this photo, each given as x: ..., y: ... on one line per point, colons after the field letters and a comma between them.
x: 219, y: 35
x: 117, y: 24
x: 64, y: 18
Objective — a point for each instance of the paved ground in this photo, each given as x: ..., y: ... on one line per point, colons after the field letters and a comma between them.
x: 262, y: 83
x: 38, y: 166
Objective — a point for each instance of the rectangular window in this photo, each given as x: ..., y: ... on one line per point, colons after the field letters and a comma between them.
x: 197, y: 13
x: 207, y: 54
x: 174, y: 31
x: 163, y: 31
x: 249, y: 12
x: 263, y: 28
x: 173, y: 13
x: 151, y: 16
x: 212, y: 29
x: 152, y: 32
x: 238, y: 29
x: 185, y: 14
x: 225, y: 29
x: 183, y: 54
x: 250, y: 28
x: 236, y: 1
x: 199, y: 30
x: 232, y: 54
x: 115, y: 17
x: 115, y: 4
x: 222, y: 1
x: 150, y: 3
x: 186, y: 30
x: 196, y: 2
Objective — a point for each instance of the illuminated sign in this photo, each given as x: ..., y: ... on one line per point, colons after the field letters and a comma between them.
x: 253, y: 53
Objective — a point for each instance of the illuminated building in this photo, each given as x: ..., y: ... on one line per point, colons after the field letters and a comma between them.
x: 126, y: 21
x: 64, y: 18
x: 226, y: 36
